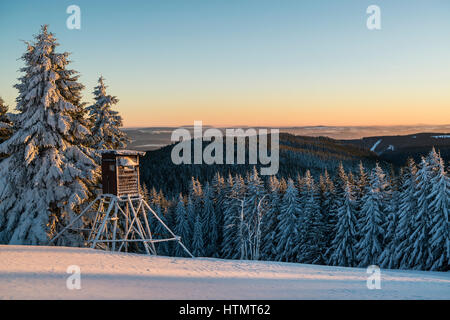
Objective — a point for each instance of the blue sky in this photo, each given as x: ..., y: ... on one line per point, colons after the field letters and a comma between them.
x: 249, y: 62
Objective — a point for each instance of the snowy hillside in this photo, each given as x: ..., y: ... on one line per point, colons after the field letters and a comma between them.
x: 28, y: 272
x: 412, y: 144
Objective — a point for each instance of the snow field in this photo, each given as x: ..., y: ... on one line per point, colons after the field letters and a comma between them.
x: 28, y: 272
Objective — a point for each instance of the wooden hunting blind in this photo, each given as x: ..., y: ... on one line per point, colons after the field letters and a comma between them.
x: 120, y: 172
x: 119, y: 217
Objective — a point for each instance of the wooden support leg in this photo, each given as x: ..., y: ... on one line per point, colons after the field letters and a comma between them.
x: 105, y: 219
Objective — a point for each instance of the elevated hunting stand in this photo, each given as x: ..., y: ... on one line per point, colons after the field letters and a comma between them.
x: 119, y: 215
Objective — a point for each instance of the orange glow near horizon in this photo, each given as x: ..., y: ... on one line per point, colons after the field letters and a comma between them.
x: 359, y: 110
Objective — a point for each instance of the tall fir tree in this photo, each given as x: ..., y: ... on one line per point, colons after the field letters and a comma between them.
x: 182, y: 228
x: 361, y: 188
x: 288, y: 219
x: 362, y: 181
x: 220, y: 188
x: 312, y: 226
x: 407, y: 210
x: 231, y: 239
x: 154, y: 197
x: 145, y: 194
x: 388, y: 257
x: 283, y: 186
x: 269, y: 223
x: 159, y: 232
x: 421, y: 256
x: 329, y: 206
x: 341, y: 182
x: 343, y: 246
x: 196, y: 195
x: 254, y: 212
x: 106, y: 122
x: 439, y: 208
x: 191, y: 216
x: 211, y: 228
x: 370, y: 245
x: 198, y: 248
x: 49, y: 172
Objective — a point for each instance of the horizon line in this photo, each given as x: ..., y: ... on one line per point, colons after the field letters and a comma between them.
x: 295, y: 126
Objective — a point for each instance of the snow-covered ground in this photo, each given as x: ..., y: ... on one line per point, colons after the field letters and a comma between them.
x: 28, y: 272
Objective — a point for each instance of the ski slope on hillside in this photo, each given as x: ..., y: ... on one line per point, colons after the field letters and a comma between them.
x: 375, y: 145
x: 28, y: 272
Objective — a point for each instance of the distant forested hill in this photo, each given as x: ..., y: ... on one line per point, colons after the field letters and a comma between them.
x: 397, y: 149
x: 297, y: 154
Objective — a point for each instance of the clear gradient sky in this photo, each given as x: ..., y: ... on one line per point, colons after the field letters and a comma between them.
x: 249, y: 62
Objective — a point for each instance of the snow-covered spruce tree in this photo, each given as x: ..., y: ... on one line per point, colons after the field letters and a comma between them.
x: 143, y: 191
x: 343, y: 247
x: 159, y: 232
x: 191, y: 216
x: 352, y: 180
x: 287, y: 229
x: 49, y: 172
x: 220, y: 191
x: 196, y: 195
x: 153, y: 197
x: 242, y: 235
x: 373, y: 211
x: 440, y: 208
x: 299, y: 184
x: 182, y: 228
x: 5, y: 122
x: 392, y: 240
x: 170, y: 214
x: 340, y: 185
x: 269, y: 222
x: 329, y: 207
x: 255, y: 207
x: 210, y: 227
x: 362, y: 181
x: 361, y: 187
x: 106, y: 122
x: 163, y: 200
x: 341, y: 181
x: 421, y: 256
x: 312, y: 226
x: 283, y: 186
x: 198, y: 248
x: 407, y: 210
x: 231, y: 240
